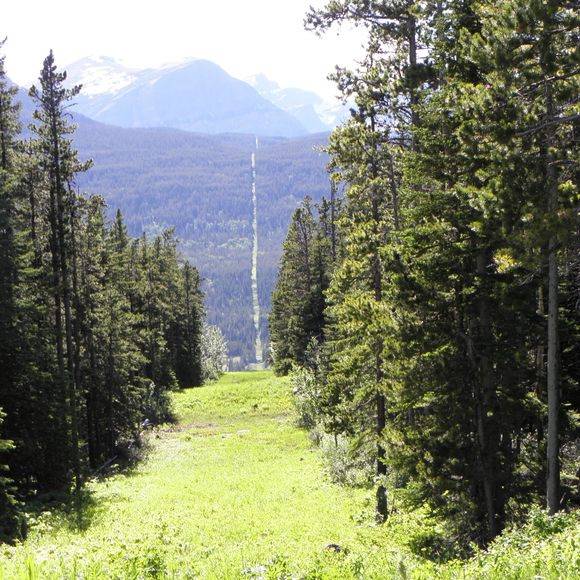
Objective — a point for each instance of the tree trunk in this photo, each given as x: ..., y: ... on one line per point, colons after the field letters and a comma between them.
x: 58, y: 186
x: 553, y: 447
x: 377, y: 285
x: 485, y: 413
x: 333, y: 221
x: 33, y: 226
x: 76, y: 338
x: 56, y: 287
x: 3, y: 137
x: 540, y: 361
x: 413, y: 64
x: 553, y: 459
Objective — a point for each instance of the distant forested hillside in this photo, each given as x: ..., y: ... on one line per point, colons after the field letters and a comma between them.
x: 200, y: 184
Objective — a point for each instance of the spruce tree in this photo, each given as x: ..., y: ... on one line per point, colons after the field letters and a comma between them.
x: 540, y: 41
x: 458, y: 215
x: 9, y: 250
x: 59, y: 161
x: 298, y: 302
x: 94, y: 326
x: 189, y: 328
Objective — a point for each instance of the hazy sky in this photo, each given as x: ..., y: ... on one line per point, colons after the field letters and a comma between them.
x: 243, y: 36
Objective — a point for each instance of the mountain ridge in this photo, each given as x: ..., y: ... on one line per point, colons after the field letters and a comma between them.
x: 196, y: 95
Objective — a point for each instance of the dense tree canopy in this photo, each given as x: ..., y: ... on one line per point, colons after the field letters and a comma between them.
x: 95, y: 327
x: 452, y: 314
x: 298, y: 302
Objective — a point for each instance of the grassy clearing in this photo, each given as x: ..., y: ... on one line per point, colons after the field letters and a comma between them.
x: 235, y: 490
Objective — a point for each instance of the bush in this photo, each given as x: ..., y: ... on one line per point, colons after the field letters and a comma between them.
x: 214, y: 353
x: 346, y: 464
x: 306, y: 397
x: 544, y: 547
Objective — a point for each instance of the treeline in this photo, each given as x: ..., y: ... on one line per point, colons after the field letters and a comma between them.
x: 450, y: 327
x: 95, y: 327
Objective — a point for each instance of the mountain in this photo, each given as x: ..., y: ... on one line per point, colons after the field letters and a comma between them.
x: 100, y: 75
x: 196, y: 95
x: 201, y: 185
x: 313, y: 112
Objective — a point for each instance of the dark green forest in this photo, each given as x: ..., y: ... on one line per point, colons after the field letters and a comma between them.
x: 96, y: 327
x: 200, y: 186
x: 433, y: 322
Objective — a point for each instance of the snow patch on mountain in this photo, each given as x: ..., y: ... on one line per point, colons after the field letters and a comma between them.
x: 114, y: 93
x: 101, y: 75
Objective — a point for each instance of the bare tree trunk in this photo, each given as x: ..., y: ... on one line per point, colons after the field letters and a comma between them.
x: 553, y: 451
x: 413, y: 63
x: 56, y: 284
x: 381, y: 421
x: 333, y: 221
x: 394, y: 193
x: 382, y: 508
x: 553, y: 447
x: 3, y: 138
x: 540, y: 360
x: 76, y: 341
x: 485, y: 400
x: 33, y: 223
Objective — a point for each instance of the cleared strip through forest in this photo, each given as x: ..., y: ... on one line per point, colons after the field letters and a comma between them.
x: 255, y: 296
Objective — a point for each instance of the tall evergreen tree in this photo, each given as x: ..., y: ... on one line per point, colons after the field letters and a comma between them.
x: 59, y: 160
x: 459, y: 213
x: 298, y: 302
x: 540, y: 40
x: 9, y: 250
x: 188, y: 328
x: 386, y: 89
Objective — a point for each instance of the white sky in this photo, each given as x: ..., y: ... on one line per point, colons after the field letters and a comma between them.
x: 243, y: 36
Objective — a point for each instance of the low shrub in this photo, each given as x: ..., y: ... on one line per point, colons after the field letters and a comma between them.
x: 345, y: 464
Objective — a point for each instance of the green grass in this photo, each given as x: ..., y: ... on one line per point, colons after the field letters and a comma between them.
x: 235, y: 490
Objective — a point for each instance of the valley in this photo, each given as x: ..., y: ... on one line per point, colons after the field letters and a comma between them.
x: 281, y: 330
x: 201, y: 185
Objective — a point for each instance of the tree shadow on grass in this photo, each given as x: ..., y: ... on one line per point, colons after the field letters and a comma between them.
x: 76, y: 512
x: 63, y: 509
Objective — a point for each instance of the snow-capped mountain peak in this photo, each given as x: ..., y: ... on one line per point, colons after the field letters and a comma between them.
x: 192, y: 94
x: 101, y: 75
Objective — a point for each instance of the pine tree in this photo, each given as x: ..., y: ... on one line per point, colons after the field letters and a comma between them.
x: 26, y: 382
x: 298, y: 302
x: 540, y: 40
x: 59, y: 160
x: 95, y: 327
x: 189, y: 328
x: 386, y: 89
x: 9, y: 250
x: 434, y: 306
